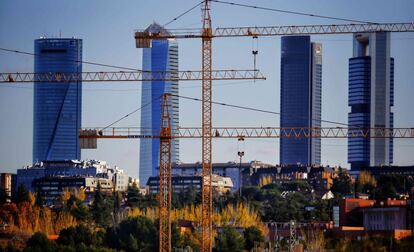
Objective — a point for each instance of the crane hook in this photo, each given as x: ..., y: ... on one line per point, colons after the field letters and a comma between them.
x: 255, y: 51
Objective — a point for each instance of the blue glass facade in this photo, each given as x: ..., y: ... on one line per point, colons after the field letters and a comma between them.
x: 162, y: 56
x: 57, y: 106
x: 301, y: 94
x: 370, y: 97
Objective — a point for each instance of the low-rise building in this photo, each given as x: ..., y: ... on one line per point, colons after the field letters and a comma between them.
x: 235, y: 171
x: 8, y: 183
x: 182, y: 183
x: 320, y: 178
x: 385, y: 215
x: 71, y: 168
x: 388, y: 215
x: 52, y: 188
x: 378, y: 171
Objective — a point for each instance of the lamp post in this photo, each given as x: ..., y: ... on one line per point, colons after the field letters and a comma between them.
x: 240, y: 153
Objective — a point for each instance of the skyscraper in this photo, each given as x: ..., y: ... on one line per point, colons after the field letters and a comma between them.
x: 371, y: 96
x: 301, y: 98
x: 162, y: 56
x: 57, y: 106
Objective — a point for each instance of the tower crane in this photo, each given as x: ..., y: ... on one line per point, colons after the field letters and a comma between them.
x: 207, y: 34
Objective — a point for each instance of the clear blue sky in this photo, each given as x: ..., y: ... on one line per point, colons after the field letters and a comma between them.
x: 107, y: 27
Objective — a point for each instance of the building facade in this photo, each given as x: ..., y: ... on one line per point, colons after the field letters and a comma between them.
x: 179, y: 184
x: 8, y: 183
x: 57, y: 106
x: 301, y: 98
x: 71, y: 168
x: 371, y: 97
x: 318, y: 177
x: 161, y: 56
x: 52, y: 188
x: 238, y: 173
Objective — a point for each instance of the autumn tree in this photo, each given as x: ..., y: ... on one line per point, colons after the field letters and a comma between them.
x: 365, y: 183
x: 3, y: 197
x: 22, y: 195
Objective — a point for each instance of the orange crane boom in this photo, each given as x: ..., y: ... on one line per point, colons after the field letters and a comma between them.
x: 252, y: 132
x: 284, y: 30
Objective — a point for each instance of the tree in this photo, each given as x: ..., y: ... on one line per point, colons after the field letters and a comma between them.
x: 101, y: 208
x: 366, y: 183
x: 39, y: 243
x: 75, y: 236
x: 133, y: 196
x: 22, y: 195
x: 252, y: 236
x: 3, y: 197
x: 80, y: 211
x: 284, y: 209
x: 342, y: 184
x: 133, y: 234
x: 39, y: 201
x: 229, y: 240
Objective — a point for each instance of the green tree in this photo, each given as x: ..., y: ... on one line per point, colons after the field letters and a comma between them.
x: 284, y: 209
x: 80, y: 211
x: 342, y: 184
x: 75, y: 236
x: 252, y: 236
x: 229, y: 240
x: 22, y: 195
x: 40, y: 243
x: 101, y: 208
x: 133, y: 234
x: 133, y: 196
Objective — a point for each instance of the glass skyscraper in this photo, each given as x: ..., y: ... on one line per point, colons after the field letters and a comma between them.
x: 162, y: 56
x: 57, y: 106
x: 301, y: 98
x: 371, y: 96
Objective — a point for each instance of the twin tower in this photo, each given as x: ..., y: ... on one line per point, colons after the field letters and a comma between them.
x: 58, y: 106
x: 370, y: 97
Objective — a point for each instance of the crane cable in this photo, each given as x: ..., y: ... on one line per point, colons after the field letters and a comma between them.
x: 292, y: 12
x: 182, y: 14
x: 68, y: 60
x: 257, y: 110
x: 130, y: 113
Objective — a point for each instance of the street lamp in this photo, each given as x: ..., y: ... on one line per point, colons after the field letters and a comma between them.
x: 240, y: 153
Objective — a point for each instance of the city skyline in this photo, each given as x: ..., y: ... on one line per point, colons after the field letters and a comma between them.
x: 371, y: 98
x: 162, y: 56
x: 57, y: 108
x: 101, y: 110
x: 300, y: 98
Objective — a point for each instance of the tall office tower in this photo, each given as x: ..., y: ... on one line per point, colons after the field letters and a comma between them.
x: 162, y: 56
x: 57, y: 106
x: 371, y: 96
x: 301, y: 98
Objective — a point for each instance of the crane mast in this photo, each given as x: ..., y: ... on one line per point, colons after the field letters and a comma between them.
x: 165, y: 176
x: 206, y: 125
